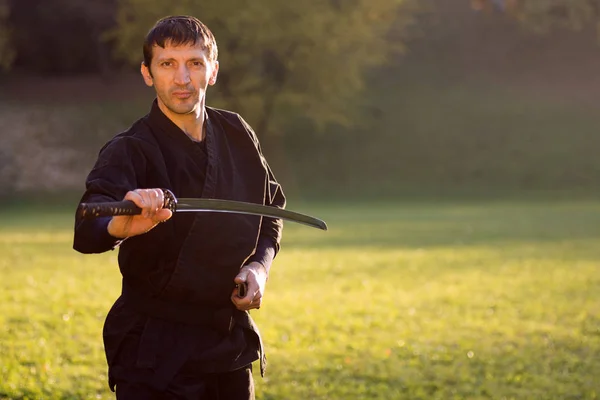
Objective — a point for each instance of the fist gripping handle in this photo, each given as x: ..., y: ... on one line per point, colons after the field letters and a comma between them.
x: 124, y: 207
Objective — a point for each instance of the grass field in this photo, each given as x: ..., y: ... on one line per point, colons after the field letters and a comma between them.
x: 449, y: 300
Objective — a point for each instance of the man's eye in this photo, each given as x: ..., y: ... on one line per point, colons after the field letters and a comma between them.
x: 197, y: 63
x: 166, y: 63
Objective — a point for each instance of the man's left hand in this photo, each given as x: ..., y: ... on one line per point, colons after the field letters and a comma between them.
x: 254, y: 275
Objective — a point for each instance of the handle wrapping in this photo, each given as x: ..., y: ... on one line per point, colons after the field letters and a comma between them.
x: 109, y: 209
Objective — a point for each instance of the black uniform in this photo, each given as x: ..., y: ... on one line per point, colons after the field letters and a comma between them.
x: 175, y: 315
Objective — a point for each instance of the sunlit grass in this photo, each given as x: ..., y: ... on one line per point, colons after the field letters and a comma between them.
x: 395, y: 301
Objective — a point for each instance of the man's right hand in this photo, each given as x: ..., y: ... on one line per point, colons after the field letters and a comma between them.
x: 151, y: 202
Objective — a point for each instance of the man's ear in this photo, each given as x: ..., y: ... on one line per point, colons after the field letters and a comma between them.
x: 215, y: 72
x: 146, y: 74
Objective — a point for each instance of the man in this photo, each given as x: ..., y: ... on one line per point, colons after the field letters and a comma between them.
x: 180, y: 328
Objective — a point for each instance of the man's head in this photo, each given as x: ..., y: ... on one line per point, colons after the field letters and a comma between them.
x: 179, y: 30
x: 180, y: 61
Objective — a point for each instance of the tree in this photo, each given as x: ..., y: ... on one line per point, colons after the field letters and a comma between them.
x: 61, y: 37
x: 284, y: 58
x: 7, y: 54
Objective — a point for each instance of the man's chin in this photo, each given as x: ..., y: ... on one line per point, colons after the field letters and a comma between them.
x: 183, y: 108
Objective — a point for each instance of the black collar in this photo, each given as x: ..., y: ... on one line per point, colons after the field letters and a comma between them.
x: 160, y: 120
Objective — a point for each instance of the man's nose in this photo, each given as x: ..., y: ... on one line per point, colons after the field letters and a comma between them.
x: 182, y: 76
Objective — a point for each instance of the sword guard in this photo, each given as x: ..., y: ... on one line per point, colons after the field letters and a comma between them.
x: 170, y: 200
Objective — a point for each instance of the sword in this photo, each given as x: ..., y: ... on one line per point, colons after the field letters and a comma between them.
x: 128, y: 207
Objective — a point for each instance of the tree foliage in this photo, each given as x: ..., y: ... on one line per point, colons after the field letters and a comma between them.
x: 544, y: 16
x: 7, y: 54
x: 60, y: 37
x: 277, y: 56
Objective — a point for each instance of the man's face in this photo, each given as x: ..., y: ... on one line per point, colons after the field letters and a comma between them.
x: 180, y: 76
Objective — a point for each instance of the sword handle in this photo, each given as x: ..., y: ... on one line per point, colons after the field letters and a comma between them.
x: 242, y: 289
x: 124, y: 207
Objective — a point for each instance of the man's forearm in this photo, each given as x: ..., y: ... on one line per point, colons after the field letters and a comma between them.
x: 91, y: 236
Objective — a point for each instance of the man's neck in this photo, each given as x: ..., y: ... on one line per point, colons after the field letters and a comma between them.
x: 191, y: 124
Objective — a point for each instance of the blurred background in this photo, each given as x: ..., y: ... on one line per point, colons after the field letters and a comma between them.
x: 350, y: 98
x: 449, y: 144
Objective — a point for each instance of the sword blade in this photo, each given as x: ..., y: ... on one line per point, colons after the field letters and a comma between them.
x: 240, y: 207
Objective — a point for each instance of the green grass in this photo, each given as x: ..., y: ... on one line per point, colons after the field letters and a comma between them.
x: 397, y: 301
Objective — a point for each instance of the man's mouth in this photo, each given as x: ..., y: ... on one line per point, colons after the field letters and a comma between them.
x: 182, y: 95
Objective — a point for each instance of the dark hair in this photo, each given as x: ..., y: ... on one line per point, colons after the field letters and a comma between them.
x: 178, y: 30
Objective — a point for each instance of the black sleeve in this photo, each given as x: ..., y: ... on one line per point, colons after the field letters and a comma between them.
x: 119, y: 169
x: 271, y: 229
x: 269, y: 239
